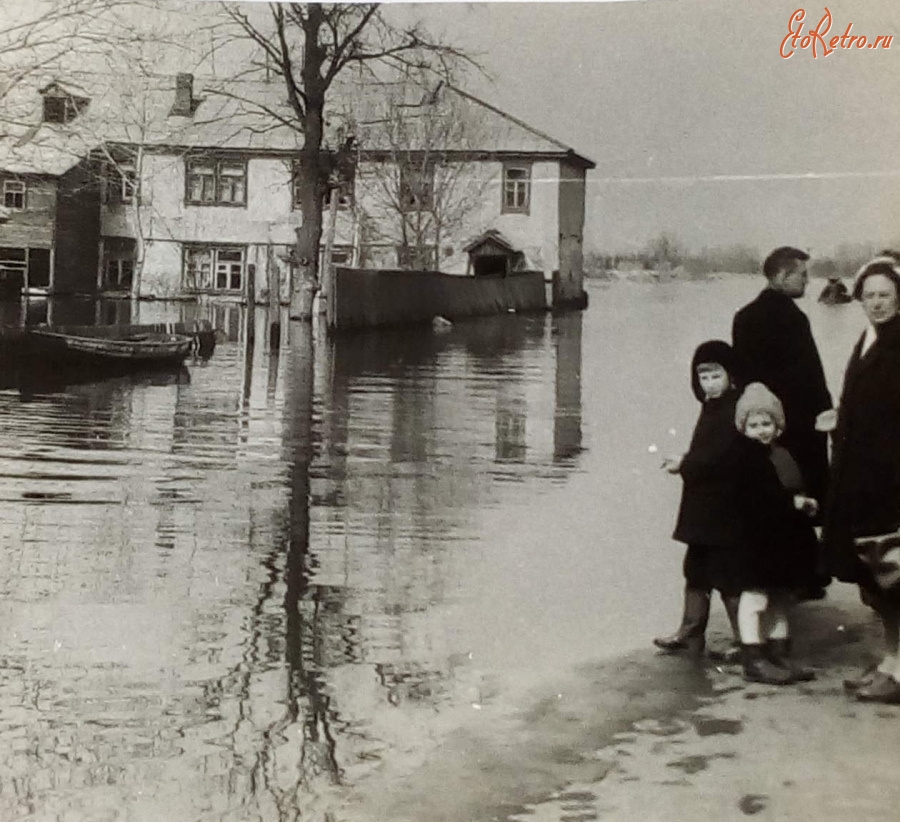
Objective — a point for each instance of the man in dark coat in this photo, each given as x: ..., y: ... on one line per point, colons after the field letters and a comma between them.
x: 775, y: 345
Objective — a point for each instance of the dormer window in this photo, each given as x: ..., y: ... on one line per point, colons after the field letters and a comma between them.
x: 61, y: 105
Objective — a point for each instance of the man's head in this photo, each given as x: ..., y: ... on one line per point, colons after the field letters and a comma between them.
x: 785, y: 269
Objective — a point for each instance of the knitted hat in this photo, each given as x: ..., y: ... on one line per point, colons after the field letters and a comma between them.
x: 718, y: 352
x: 885, y: 265
x: 758, y: 398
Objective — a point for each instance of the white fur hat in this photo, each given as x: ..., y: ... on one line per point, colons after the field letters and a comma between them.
x: 758, y: 398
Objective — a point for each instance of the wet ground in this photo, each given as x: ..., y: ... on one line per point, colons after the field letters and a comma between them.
x: 398, y: 575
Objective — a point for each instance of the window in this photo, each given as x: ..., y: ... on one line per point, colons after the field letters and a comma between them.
x: 121, y: 183
x: 24, y: 267
x: 13, y: 260
x: 14, y: 194
x: 214, y: 268
x: 119, y: 274
x: 62, y: 109
x: 417, y: 258
x: 516, y: 189
x: 118, y: 263
x: 213, y: 181
x: 417, y: 186
x: 341, y: 255
x: 232, y: 175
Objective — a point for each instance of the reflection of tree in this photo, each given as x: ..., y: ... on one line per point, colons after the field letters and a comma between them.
x: 306, y: 702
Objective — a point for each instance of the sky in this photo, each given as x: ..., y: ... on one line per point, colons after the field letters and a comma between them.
x: 700, y: 129
x: 698, y: 126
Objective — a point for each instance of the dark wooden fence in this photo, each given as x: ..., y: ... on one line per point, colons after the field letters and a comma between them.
x: 367, y: 298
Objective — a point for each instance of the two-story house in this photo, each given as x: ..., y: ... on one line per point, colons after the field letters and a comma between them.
x: 172, y: 192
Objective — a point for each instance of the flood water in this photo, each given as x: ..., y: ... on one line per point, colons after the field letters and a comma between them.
x: 237, y: 592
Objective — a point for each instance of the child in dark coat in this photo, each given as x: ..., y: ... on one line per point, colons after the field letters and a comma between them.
x: 781, y: 545
x: 708, y: 518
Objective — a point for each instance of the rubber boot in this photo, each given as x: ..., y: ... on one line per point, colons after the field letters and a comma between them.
x: 691, y: 635
x: 778, y: 652
x: 757, y: 668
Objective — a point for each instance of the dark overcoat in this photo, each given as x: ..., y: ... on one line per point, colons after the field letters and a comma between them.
x: 864, y: 497
x: 774, y: 343
x: 781, y: 549
x: 708, y: 511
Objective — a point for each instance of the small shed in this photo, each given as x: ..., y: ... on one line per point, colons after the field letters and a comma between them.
x: 491, y: 254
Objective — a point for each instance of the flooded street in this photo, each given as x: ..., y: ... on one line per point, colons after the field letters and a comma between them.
x: 248, y: 589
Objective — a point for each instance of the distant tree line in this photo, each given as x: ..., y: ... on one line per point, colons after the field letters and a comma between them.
x: 666, y: 253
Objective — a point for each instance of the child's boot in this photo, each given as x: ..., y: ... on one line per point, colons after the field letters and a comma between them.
x: 690, y: 636
x: 778, y: 652
x: 757, y: 668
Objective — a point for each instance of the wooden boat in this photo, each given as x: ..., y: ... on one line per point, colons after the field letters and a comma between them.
x: 141, y: 350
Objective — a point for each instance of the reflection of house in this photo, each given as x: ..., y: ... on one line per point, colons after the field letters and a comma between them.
x: 193, y: 193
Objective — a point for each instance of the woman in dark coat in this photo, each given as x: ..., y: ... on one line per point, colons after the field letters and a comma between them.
x: 864, y: 498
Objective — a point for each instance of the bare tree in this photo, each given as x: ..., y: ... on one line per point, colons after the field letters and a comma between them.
x: 309, y: 47
x: 423, y: 179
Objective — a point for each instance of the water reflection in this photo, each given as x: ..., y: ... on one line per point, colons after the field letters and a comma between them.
x: 221, y: 585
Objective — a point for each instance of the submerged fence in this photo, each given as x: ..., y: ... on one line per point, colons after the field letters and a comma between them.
x: 366, y: 298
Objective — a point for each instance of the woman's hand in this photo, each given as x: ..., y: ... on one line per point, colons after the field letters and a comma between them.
x: 826, y: 422
x: 672, y: 463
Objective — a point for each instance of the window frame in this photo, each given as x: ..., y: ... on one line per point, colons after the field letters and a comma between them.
x: 511, y: 205
x: 121, y: 184
x: 215, y: 179
x: 62, y: 108
x: 119, y: 255
x: 216, y: 268
x: 22, y: 194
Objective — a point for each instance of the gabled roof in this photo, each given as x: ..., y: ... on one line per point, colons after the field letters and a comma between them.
x: 241, y: 116
x: 519, y: 133
x: 492, y: 237
x: 466, y: 123
x: 44, y: 150
x: 63, y: 89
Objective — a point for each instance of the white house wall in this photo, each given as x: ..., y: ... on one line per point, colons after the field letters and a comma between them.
x: 535, y: 233
x: 266, y: 225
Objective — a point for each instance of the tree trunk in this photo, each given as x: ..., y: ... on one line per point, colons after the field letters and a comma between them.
x: 312, y: 173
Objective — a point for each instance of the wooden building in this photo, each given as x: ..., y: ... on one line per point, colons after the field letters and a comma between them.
x: 192, y: 192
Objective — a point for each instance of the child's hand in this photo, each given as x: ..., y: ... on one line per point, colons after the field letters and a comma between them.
x: 672, y: 463
x: 806, y: 505
x: 827, y: 421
